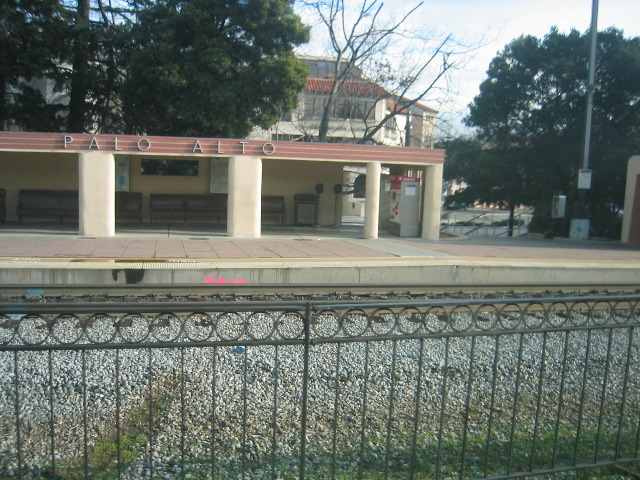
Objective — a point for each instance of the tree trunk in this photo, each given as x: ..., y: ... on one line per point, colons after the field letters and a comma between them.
x: 79, y: 76
x: 512, y: 209
x: 323, y: 130
x: 3, y: 104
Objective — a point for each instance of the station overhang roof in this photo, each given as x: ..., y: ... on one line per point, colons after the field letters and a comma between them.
x: 216, y: 147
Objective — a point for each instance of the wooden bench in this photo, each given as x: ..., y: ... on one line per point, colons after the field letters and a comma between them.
x: 273, y: 206
x: 188, y: 206
x: 206, y: 206
x: 168, y: 205
x: 48, y: 202
x: 129, y: 205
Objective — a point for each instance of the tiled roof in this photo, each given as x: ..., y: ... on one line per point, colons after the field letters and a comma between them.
x: 392, y: 103
x: 350, y: 87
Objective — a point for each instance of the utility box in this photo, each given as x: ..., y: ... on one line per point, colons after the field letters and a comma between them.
x: 559, y: 206
x: 405, y: 206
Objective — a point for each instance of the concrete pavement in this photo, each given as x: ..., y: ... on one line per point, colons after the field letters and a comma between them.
x: 53, y: 253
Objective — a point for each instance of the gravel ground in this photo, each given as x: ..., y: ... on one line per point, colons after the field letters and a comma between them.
x: 505, y: 402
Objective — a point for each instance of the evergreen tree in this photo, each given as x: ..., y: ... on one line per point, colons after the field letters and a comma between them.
x: 531, y: 114
x: 212, y: 68
x: 166, y: 67
x: 32, y: 34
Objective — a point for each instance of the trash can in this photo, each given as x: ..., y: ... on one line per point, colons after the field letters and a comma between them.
x: 306, y: 209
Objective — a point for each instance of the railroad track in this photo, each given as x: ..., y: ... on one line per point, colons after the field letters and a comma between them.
x: 197, y: 292
x: 239, y: 289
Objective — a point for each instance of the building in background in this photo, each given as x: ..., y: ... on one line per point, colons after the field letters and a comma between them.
x: 360, y: 106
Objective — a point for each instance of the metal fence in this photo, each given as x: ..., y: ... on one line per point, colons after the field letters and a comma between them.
x: 312, y: 390
x: 484, y: 224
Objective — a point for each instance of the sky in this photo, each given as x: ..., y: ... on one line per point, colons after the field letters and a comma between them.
x: 489, y: 25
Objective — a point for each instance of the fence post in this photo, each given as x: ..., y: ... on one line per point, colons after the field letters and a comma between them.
x: 305, y: 392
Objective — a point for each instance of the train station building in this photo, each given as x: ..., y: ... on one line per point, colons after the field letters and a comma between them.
x: 243, y: 183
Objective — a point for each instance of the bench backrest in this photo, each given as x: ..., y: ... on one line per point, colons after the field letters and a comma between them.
x: 162, y: 201
x: 128, y: 201
x: 58, y: 199
x: 272, y: 204
x: 208, y: 202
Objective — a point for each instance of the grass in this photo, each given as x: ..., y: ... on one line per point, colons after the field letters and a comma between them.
x: 481, y: 456
x: 113, y: 453
x: 401, y: 462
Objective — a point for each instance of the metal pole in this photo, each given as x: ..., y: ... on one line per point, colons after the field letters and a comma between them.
x: 580, y: 223
x: 591, y: 84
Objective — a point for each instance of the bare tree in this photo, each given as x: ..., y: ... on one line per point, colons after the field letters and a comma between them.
x: 364, y: 40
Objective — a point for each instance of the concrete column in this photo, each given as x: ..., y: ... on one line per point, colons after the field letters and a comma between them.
x: 432, y: 202
x: 245, y: 192
x: 631, y: 217
x: 96, y: 188
x: 372, y: 200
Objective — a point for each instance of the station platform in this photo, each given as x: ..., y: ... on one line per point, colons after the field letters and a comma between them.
x: 41, y: 254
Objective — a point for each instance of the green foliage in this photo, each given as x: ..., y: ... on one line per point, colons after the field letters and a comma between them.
x: 32, y: 36
x: 212, y: 68
x: 115, y: 451
x: 169, y: 67
x: 480, y: 456
x: 530, y: 117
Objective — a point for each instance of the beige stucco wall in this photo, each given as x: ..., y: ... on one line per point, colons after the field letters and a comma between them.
x: 245, y: 190
x: 97, y: 194
x: 432, y: 185
x: 630, y: 197
x: 372, y: 200
x: 148, y: 184
x: 278, y: 178
x: 33, y: 171
x: 289, y: 177
x: 59, y: 171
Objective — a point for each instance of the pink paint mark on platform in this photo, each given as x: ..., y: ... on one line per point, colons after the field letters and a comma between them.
x: 210, y: 279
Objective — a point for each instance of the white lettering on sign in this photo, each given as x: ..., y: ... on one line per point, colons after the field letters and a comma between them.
x: 144, y: 144
x: 268, y: 148
x: 200, y: 146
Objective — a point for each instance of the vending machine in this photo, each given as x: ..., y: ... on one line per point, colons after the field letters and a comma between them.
x: 405, y: 206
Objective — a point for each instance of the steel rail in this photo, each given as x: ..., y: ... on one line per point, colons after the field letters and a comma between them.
x: 517, y: 305
x: 233, y: 289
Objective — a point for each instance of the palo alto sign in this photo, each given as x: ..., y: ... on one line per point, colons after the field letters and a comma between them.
x: 144, y: 144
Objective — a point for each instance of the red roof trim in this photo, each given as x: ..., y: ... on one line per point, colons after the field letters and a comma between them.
x: 215, y: 147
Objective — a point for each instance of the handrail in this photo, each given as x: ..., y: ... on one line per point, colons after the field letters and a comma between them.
x: 512, y: 227
x: 474, y: 227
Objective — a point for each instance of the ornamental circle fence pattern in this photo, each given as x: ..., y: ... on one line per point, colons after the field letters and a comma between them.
x: 386, y: 389
x: 178, y: 325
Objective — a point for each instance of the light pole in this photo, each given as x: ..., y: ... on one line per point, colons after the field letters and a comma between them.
x: 580, y: 224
